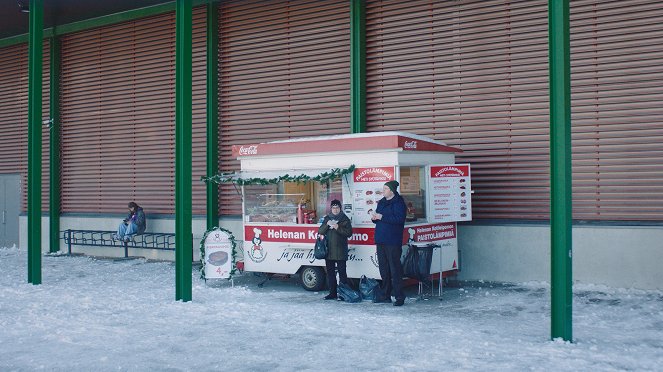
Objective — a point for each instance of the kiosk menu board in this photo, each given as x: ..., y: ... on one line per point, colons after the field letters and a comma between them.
x: 450, y: 191
x: 368, y: 183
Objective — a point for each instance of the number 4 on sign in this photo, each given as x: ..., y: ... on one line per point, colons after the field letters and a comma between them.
x: 218, y: 270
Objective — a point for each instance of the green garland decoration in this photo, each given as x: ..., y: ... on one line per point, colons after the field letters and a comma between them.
x: 325, y: 177
x: 233, y: 264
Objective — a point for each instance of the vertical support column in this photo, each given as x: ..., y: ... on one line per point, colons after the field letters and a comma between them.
x: 183, y: 214
x: 560, y: 170
x: 54, y: 143
x: 212, y: 113
x: 34, y: 139
x: 358, y: 66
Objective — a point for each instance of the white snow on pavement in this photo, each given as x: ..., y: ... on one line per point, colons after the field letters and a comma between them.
x: 95, y: 314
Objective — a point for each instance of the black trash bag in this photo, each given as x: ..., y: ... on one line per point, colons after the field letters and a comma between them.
x: 367, y: 288
x: 320, y: 250
x: 347, y: 294
x: 417, y: 263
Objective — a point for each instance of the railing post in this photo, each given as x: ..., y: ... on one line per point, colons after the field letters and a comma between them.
x: 69, y: 241
x: 126, y: 249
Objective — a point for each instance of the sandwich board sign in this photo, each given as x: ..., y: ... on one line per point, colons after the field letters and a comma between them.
x: 218, y: 255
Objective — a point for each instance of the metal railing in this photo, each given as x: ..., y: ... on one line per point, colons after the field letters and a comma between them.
x: 98, y: 238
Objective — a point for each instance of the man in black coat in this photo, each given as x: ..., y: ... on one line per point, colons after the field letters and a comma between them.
x: 389, y: 219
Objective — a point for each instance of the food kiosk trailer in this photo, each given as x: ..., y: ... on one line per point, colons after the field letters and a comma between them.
x: 287, y: 187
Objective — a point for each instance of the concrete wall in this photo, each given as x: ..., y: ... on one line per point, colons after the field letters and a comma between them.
x: 616, y: 256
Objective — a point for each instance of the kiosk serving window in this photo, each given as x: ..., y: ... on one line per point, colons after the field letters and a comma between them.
x: 413, y: 190
x: 290, y: 202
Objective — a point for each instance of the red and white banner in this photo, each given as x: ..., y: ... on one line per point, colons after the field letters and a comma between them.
x: 301, y: 234
x: 374, y: 174
x: 344, y: 143
x: 258, y: 234
x: 430, y: 233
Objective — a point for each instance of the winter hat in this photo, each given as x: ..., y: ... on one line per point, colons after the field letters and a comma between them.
x: 392, y: 185
x: 336, y: 202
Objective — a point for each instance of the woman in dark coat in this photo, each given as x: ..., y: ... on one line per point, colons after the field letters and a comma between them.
x: 337, y: 228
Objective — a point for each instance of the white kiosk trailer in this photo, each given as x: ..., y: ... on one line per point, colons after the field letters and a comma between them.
x: 281, y: 215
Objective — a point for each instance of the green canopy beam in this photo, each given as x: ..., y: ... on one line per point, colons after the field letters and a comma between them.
x: 54, y: 148
x: 34, y: 139
x: 560, y: 170
x: 183, y: 130
x: 358, y: 66
x: 212, y: 113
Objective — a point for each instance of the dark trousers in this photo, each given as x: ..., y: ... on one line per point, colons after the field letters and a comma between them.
x: 391, y: 270
x: 332, y: 266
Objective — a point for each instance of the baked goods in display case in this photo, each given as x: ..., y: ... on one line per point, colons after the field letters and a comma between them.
x: 272, y: 208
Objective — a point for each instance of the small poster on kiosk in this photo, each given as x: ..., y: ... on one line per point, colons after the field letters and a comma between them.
x: 368, y: 184
x: 450, y: 192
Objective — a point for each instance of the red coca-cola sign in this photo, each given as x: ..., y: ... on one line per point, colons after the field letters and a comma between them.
x: 248, y: 150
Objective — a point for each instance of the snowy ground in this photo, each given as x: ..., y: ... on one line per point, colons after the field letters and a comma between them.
x: 102, y: 315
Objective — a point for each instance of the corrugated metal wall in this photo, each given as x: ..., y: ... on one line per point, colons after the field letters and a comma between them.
x: 118, y: 116
x: 285, y: 72
x: 14, y: 116
x: 475, y: 74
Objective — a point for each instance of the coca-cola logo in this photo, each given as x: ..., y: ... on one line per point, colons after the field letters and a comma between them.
x: 412, y: 145
x: 248, y: 150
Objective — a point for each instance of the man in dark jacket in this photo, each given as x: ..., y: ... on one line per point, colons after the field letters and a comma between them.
x: 389, y: 219
x: 134, y: 224
x: 336, y: 227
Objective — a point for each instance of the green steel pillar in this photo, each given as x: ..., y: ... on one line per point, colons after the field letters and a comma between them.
x: 560, y: 170
x: 54, y: 143
x: 183, y: 215
x: 212, y: 113
x: 358, y: 66
x: 34, y: 139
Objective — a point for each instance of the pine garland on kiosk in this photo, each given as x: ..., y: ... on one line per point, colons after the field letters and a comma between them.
x: 325, y: 177
x: 233, y: 256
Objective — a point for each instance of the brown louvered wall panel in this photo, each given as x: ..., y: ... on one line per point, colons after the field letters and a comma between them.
x: 14, y: 117
x: 118, y: 116
x: 617, y: 95
x: 474, y: 74
x: 284, y: 73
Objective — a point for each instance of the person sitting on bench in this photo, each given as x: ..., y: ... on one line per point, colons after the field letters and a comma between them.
x: 133, y: 225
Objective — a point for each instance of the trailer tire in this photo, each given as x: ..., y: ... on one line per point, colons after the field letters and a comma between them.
x: 312, y: 278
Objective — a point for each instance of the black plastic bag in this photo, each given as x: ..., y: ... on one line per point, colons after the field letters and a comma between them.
x: 417, y: 263
x: 320, y: 250
x: 367, y: 288
x: 347, y: 294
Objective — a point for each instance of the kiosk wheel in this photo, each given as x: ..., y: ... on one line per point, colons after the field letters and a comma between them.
x: 312, y: 278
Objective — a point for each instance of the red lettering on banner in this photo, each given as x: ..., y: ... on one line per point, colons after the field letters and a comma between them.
x: 429, y: 233
x: 375, y: 174
x: 301, y: 234
x: 450, y: 171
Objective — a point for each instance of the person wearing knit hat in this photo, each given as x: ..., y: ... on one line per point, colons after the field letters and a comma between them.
x: 392, y: 185
x: 336, y: 228
x: 389, y: 218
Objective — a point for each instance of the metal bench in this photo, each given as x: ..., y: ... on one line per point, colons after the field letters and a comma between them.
x: 97, y: 238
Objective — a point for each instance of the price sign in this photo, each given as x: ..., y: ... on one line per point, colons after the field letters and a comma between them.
x: 218, y: 255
